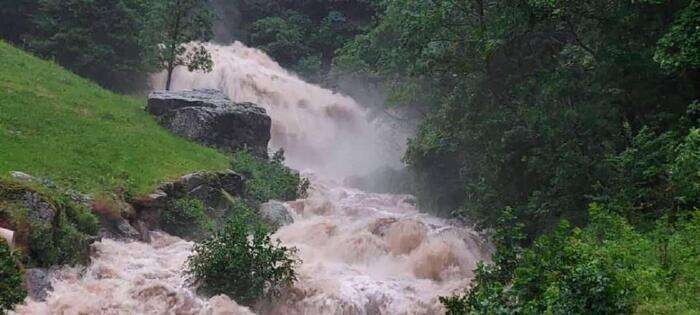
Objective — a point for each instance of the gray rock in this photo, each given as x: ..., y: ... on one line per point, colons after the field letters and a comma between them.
x: 275, y: 213
x: 38, y: 209
x: 80, y: 198
x: 22, y: 177
x: 211, y: 118
x: 204, y: 186
x: 118, y: 228
x: 158, y: 198
x: 38, y: 283
x: 126, y: 230
x: 143, y: 230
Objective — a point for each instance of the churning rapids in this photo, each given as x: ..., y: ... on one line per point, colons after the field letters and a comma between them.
x: 362, y: 253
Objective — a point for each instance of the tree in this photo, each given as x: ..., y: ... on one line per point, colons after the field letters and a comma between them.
x: 173, y: 25
x: 241, y: 260
x: 98, y: 39
x: 285, y: 39
x: 16, y: 19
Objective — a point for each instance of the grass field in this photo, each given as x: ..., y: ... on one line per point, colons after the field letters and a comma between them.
x: 56, y: 125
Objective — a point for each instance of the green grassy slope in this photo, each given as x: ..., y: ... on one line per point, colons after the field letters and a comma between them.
x: 56, y: 125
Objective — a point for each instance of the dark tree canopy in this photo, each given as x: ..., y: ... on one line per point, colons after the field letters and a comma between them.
x: 97, y: 39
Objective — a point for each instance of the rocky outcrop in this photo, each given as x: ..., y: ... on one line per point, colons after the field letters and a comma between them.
x: 46, y: 232
x: 208, y: 187
x: 210, y: 118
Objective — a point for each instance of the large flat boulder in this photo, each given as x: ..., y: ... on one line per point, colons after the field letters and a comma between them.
x: 209, y: 117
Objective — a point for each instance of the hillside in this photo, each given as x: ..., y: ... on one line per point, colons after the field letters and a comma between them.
x: 56, y: 125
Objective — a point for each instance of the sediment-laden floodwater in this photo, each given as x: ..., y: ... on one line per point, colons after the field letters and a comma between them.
x: 362, y: 253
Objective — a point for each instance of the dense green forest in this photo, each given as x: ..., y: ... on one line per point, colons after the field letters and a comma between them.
x: 567, y: 131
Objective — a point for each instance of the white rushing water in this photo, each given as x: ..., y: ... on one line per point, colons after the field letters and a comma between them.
x: 362, y: 253
x: 318, y: 129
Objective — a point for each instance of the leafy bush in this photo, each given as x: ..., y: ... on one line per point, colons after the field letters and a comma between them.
x: 185, y: 218
x: 283, y: 38
x: 680, y: 47
x: 606, y: 268
x: 658, y: 174
x: 241, y: 261
x: 267, y: 180
x: 11, y: 290
x: 82, y: 217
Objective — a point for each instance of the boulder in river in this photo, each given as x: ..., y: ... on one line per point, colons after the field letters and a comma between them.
x: 275, y: 214
x: 209, y: 117
x: 38, y: 283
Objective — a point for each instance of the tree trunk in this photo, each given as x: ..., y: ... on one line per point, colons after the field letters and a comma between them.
x: 170, y: 75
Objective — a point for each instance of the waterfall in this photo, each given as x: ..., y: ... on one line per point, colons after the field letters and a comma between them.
x: 318, y: 128
x: 363, y: 253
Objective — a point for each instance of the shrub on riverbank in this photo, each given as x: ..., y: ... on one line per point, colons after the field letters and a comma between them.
x: 241, y: 261
x: 268, y: 180
x: 607, y: 267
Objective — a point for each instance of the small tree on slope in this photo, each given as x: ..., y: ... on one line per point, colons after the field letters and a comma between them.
x: 172, y: 25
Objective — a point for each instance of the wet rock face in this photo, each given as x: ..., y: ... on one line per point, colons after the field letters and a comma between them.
x: 211, y: 118
x: 38, y: 283
x: 206, y: 187
x: 39, y: 209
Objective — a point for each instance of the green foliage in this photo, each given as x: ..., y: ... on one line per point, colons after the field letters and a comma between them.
x: 11, y: 290
x: 97, y: 39
x: 16, y: 19
x: 679, y: 49
x: 304, y: 35
x: 241, y: 261
x: 525, y: 102
x: 54, y: 124
x: 78, y: 214
x: 684, y: 171
x: 267, y: 180
x: 283, y: 38
x: 173, y: 24
x: 605, y: 268
x: 60, y: 243
x: 186, y: 218
x: 534, y: 109
x: 654, y: 176
x: 115, y: 43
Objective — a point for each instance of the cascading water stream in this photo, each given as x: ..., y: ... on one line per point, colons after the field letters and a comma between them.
x: 362, y: 253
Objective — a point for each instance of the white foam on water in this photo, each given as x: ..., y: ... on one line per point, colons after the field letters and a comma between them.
x: 362, y: 253
x: 318, y: 128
